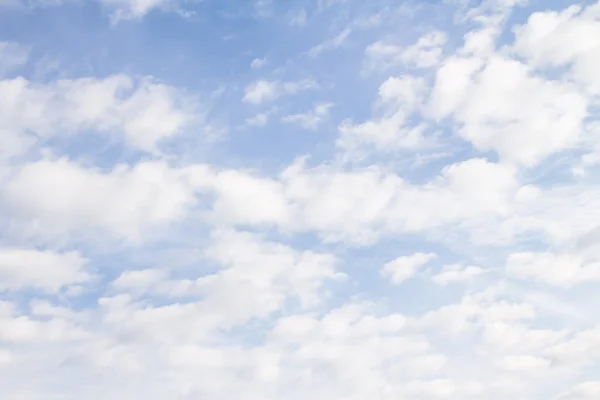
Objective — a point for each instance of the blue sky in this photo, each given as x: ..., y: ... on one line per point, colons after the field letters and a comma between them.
x: 326, y: 199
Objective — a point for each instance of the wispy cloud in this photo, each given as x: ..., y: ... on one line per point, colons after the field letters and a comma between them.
x: 332, y: 43
x: 311, y: 119
x: 263, y: 91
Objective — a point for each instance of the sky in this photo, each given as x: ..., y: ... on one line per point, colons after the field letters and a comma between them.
x: 299, y: 199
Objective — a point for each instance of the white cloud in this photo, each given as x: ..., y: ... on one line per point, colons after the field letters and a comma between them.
x: 19, y: 329
x: 569, y: 38
x: 143, y: 281
x: 398, y: 99
x: 5, y: 358
x: 312, y: 119
x: 260, y: 91
x: 553, y: 269
x: 142, y: 111
x: 565, y: 42
x: 453, y: 79
x: 456, y: 274
x: 256, y: 279
x: 523, y: 117
x: 386, y: 349
x: 490, y: 12
x: 264, y: 274
x: 361, y: 205
x: 258, y: 63
x: 294, y: 87
x: 403, y: 268
x: 44, y: 270
x: 135, y: 9
x: 524, y: 363
x: 425, y: 53
x: 329, y: 44
x: 263, y: 199
x: 502, y: 337
x: 251, y: 279
x: 270, y: 269
x: 56, y: 197
x: 357, y: 206
x: 581, y: 348
x: 583, y: 391
x: 263, y: 91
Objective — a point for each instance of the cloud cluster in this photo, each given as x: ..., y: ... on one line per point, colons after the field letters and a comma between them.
x: 142, y: 111
x: 436, y: 237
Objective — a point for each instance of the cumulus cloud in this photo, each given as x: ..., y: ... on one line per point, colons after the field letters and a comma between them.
x: 361, y: 205
x: 142, y: 111
x: 278, y: 266
x: 399, y: 98
x: 583, y: 391
x: 524, y: 118
x: 44, y: 270
x: 553, y: 269
x: 403, y: 268
x: 567, y: 38
x: 55, y: 197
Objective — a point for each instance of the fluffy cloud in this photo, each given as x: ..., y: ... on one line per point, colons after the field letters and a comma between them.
x: 44, y: 270
x: 583, y: 391
x: 270, y: 269
x: 456, y: 274
x: 523, y: 117
x: 261, y: 273
x: 358, y: 206
x: 553, y: 269
x: 55, y: 197
x: 281, y: 267
x: 567, y: 38
x: 64, y: 196
x: 403, y: 268
x: 398, y: 99
x: 142, y: 111
x: 19, y: 329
